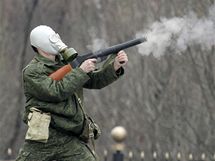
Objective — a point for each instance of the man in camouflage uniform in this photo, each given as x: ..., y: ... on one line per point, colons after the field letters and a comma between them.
x: 59, y: 98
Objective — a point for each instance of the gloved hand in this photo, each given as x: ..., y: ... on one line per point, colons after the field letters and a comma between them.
x: 57, y: 43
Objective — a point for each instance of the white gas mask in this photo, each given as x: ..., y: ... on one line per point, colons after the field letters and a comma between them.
x: 45, y: 38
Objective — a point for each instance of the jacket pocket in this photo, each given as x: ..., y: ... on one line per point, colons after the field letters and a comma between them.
x: 38, y: 126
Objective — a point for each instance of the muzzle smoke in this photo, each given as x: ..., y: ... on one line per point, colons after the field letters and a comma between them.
x: 178, y: 33
x: 97, y: 44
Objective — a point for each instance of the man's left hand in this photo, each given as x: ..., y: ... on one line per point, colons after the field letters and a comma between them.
x: 120, y: 60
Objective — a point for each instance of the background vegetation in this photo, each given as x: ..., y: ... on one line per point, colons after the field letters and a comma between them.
x: 166, y: 104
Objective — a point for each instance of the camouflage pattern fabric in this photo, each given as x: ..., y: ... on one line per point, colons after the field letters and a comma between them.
x: 58, y: 98
x: 60, y: 147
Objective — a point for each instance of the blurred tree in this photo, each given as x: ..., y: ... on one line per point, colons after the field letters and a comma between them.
x: 165, y: 104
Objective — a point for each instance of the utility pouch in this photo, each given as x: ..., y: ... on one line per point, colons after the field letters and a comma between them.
x: 38, y: 125
x: 90, y: 130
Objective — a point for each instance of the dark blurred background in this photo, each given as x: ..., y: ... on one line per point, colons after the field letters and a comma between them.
x: 166, y: 104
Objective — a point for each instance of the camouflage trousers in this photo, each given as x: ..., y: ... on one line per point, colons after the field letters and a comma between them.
x: 60, y: 147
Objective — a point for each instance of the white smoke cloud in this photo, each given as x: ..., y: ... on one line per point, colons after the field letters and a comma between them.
x: 97, y: 44
x: 178, y: 33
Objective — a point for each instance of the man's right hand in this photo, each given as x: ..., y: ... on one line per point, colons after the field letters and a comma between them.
x: 88, y: 65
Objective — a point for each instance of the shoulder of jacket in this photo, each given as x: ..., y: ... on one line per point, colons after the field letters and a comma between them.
x: 33, y: 67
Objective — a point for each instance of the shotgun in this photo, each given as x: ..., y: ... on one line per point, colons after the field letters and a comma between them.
x: 100, y: 55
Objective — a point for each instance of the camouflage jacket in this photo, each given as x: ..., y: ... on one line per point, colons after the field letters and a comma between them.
x: 57, y: 97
